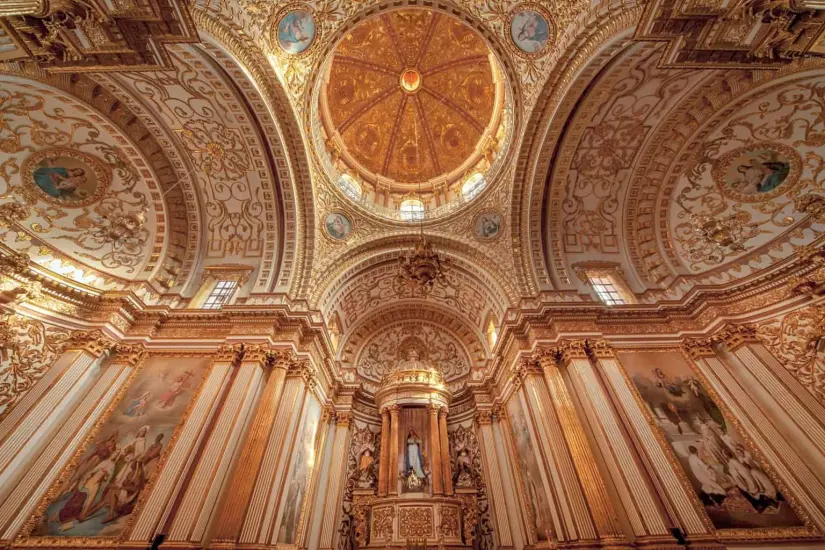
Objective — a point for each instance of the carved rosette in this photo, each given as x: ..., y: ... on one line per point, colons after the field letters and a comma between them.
x: 93, y: 342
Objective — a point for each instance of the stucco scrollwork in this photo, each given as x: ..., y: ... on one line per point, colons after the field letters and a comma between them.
x: 795, y: 341
x: 385, y: 349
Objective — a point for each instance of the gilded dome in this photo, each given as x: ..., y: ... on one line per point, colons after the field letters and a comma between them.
x: 410, y: 97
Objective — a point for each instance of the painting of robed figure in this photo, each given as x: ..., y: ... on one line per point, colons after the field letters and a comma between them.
x: 732, y: 484
x: 99, y: 494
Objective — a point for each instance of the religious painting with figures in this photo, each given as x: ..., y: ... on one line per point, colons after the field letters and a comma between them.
x: 730, y: 481
x: 757, y: 173
x: 530, y: 468
x: 296, y: 31
x: 65, y: 177
x: 530, y: 31
x: 414, y: 450
x: 99, y: 494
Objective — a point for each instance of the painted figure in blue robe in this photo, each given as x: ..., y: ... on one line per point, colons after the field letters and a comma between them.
x: 59, y: 182
x: 414, y: 459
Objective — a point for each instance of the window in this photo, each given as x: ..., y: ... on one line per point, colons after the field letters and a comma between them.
x: 473, y: 186
x: 220, y: 294
x: 349, y: 186
x: 608, y: 292
x: 412, y: 210
x: 492, y: 333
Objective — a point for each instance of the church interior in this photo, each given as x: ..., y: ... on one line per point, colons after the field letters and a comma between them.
x: 412, y: 274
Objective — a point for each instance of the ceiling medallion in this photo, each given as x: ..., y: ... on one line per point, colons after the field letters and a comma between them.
x: 410, y: 81
x: 419, y: 270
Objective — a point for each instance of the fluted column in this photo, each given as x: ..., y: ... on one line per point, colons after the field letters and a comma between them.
x: 392, y: 474
x: 384, y: 461
x: 30, y: 425
x: 507, y: 471
x: 807, y: 486
x: 212, y: 471
x: 75, y: 420
x: 335, y: 483
x: 642, y: 507
x: 492, y: 469
x: 446, y: 469
x: 435, y: 451
x: 792, y: 409
x: 232, y: 511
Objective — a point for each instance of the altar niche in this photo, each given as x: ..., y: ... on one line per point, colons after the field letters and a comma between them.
x: 415, y: 500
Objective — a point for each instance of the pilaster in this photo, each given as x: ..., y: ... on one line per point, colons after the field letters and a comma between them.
x: 335, y: 487
x: 492, y: 469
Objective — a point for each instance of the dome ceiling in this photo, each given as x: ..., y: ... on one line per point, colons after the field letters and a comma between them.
x: 411, y: 96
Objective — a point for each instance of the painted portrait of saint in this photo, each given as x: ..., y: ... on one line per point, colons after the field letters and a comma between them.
x: 338, y: 226
x: 487, y: 225
x: 99, y: 495
x: 530, y: 469
x: 734, y: 488
x: 296, y: 31
x: 752, y: 173
x: 65, y: 177
x: 530, y: 31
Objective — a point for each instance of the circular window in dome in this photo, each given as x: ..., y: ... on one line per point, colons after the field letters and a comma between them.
x: 411, y: 210
x: 474, y: 185
x: 349, y: 186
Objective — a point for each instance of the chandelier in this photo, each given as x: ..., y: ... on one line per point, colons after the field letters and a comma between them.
x: 722, y: 235
x: 419, y: 270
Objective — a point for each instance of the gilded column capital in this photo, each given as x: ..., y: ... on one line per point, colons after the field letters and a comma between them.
x: 733, y: 336
x: 329, y: 414
x: 433, y: 409
x: 14, y: 263
x: 229, y: 353
x: 394, y: 409
x: 699, y: 347
x: 483, y: 418
x: 572, y: 349
x: 499, y: 413
x: 302, y: 369
x: 94, y: 342
x: 600, y: 349
x: 281, y: 359
x: 443, y: 411
x: 343, y: 418
x: 256, y: 353
x: 130, y: 354
x: 525, y: 367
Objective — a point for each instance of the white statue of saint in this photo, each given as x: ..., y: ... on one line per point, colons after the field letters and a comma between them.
x: 414, y: 460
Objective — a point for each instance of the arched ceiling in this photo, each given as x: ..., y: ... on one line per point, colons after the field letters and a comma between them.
x: 650, y: 159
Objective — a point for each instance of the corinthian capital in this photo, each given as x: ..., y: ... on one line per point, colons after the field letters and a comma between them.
x: 733, y: 336
x: 93, y: 342
x: 130, y: 354
x: 698, y: 347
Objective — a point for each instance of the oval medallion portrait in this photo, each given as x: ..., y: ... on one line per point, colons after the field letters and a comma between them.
x: 296, y: 31
x: 530, y: 30
x: 65, y: 177
x: 487, y: 225
x: 758, y: 172
x: 338, y: 226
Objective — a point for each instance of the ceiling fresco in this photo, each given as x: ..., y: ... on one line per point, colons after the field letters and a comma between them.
x: 91, y: 209
x: 411, y: 97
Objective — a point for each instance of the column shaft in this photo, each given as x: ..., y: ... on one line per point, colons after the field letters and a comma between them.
x: 392, y: 475
x: 435, y: 452
x: 446, y: 468
x: 335, y: 488
x: 233, y: 510
x: 384, y: 464
x: 492, y: 470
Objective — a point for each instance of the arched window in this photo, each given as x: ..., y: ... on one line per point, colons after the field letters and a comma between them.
x: 412, y: 210
x: 349, y: 186
x: 492, y: 332
x: 473, y: 186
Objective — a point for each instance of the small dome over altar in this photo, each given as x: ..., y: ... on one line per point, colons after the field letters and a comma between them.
x: 413, y: 380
